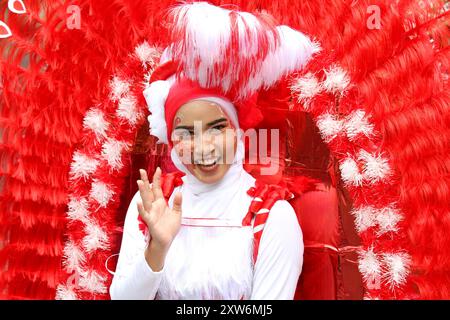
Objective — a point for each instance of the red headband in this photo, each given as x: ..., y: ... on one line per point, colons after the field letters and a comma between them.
x: 181, y: 92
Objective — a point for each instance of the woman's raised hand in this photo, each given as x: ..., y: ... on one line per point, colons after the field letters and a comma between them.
x: 163, y: 222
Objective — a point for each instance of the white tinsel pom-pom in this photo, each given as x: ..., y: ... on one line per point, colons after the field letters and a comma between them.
x: 365, y: 217
x: 306, y: 88
x: 350, y: 172
x: 82, y: 166
x: 155, y: 96
x: 387, y: 219
x: 128, y: 110
x: 357, y: 123
x: 336, y: 80
x: 396, y: 267
x: 65, y: 293
x: 95, y: 121
x: 74, y: 257
x: 329, y: 126
x: 370, y: 266
x: 93, y: 282
x: 96, y: 238
x: 101, y: 193
x: 147, y: 54
x: 118, y: 88
x: 376, y: 168
x: 112, y: 152
x: 78, y: 209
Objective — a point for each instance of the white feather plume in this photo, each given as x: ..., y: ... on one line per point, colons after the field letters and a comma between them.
x: 292, y: 53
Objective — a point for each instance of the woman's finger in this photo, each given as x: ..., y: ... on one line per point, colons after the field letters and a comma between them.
x: 142, y: 212
x: 156, y: 187
x: 144, y: 177
x: 146, y: 195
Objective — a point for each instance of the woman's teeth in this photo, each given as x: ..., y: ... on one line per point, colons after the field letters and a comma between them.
x: 207, y: 162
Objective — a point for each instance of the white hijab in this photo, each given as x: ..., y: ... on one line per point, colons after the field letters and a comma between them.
x: 207, y: 262
x: 225, y: 199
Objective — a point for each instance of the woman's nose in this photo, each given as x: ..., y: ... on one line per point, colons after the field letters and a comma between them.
x: 204, y: 145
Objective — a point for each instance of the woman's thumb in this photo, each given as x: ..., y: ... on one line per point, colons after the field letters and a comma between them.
x: 177, y: 203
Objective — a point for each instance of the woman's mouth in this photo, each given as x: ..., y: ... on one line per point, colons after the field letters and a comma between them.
x: 207, y: 165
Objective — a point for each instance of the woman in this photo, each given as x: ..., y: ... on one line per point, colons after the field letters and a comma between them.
x: 200, y: 244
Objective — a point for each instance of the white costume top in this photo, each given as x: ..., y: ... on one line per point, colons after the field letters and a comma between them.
x: 214, y: 262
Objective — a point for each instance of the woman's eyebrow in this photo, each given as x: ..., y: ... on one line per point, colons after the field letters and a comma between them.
x: 185, y: 127
x: 209, y: 124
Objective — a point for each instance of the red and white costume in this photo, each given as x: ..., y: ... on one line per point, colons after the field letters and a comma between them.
x: 213, y: 255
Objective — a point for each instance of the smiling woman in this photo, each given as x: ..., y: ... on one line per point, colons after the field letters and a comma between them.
x: 206, y: 240
x: 204, y: 139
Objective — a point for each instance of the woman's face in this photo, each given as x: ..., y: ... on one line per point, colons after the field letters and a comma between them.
x: 204, y: 139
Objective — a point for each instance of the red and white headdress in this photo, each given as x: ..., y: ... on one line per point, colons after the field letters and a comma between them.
x: 225, y: 53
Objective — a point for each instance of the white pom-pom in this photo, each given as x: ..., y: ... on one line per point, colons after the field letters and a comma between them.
x: 147, y: 54
x: 118, y: 88
x: 78, y: 209
x: 127, y: 109
x: 96, y: 238
x: 92, y: 282
x: 306, y: 88
x: 329, y: 126
x: 112, y: 152
x: 396, y: 268
x: 101, y: 193
x: 376, y: 168
x: 357, y: 123
x: 74, y: 257
x: 365, y: 217
x: 350, y: 172
x: 387, y: 219
x: 65, y: 293
x: 95, y: 121
x: 336, y: 80
x: 369, y: 266
x: 155, y: 96
x: 82, y: 166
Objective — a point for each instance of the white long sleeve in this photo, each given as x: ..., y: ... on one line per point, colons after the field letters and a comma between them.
x: 280, y: 256
x: 275, y: 275
x: 134, y: 279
